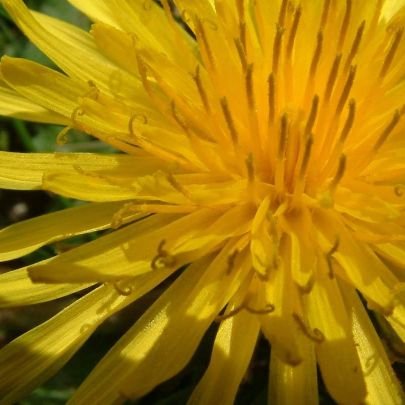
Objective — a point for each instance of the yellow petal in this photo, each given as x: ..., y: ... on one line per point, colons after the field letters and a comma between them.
x: 96, y: 10
x: 232, y: 352
x: 65, y: 45
x: 14, y: 105
x: 135, y: 249
x: 164, y: 339
x: 32, y: 358
x: 44, y: 86
x: 360, y: 264
x: 336, y: 353
x: 25, y: 171
x: 279, y: 326
x: 17, y: 289
x: 382, y: 384
x: 24, y: 237
x: 294, y: 384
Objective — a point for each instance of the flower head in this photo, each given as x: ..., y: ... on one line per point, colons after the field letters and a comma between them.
x: 263, y: 159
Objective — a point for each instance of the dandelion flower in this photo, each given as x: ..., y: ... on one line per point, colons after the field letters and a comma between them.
x: 262, y: 159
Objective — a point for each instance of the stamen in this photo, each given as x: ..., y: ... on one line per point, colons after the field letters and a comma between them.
x: 249, y: 87
x: 332, y: 77
x: 312, y: 115
x: 387, y: 131
x: 293, y: 32
x: 355, y: 45
x: 271, y: 97
x: 345, y: 24
x: 315, y: 334
x: 229, y: 120
x: 346, y: 90
x: 122, y: 289
x: 339, y: 173
x: 201, y: 90
x: 329, y: 257
x: 163, y: 259
x: 391, y: 53
x: 349, y: 121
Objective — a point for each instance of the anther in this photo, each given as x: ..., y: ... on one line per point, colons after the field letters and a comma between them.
x: 339, y: 173
x: 163, y: 259
x: 177, y: 118
x: 242, y: 35
x: 250, y: 168
x: 282, y: 13
x: 355, y: 45
x: 345, y: 24
x: 399, y: 190
x: 271, y: 97
x: 241, y: 54
x: 387, y: 131
x: 349, y: 121
x: 231, y: 261
x: 177, y: 186
x: 62, y: 137
x: 293, y: 32
x: 325, y: 13
x: 317, y: 55
x: 229, y: 121
x: 391, y: 53
x: 230, y: 314
x: 329, y: 257
x: 307, y: 154
x: 140, y: 118
x: 332, y: 77
x: 269, y: 308
x: 346, y: 90
x: 283, y: 135
x: 277, y: 47
x: 122, y: 290
x: 249, y: 87
x: 201, y: 90
x: 315, y: 334
x: 77, y: 112
x: 200, y: 32
x: 241, y: 9
x: 94, y: 91
x: 312, y: 115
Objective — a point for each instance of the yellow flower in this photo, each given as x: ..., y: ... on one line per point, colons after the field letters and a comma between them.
x: 267, y: 140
